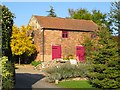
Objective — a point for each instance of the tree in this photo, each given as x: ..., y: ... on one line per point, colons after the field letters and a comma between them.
x: 89, y: 46
x: 7, y: 23
x: 98, y: 17
x: 105, y: 62
x: 80, y: 14
x: 115, y: 16
x: 51, y: 12
x: 20, y: 42
x: 0, y: 33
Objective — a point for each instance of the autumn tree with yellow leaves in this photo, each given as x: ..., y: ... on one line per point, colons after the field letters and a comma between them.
x: 20, y: 42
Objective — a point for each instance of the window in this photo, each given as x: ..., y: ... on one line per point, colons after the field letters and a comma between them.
x: 64, y: 34
x: 93, y: 35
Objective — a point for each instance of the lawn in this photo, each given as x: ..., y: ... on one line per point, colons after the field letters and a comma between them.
x: 75, y: 84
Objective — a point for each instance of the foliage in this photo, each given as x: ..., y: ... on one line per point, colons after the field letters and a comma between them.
x: 64, y: 71
x: 89, y: 43
x: 51, y: 12
x: 98, y: 17
x: 115, y: 16
x: 20, y: 42
x: 35, y: 63
x: 7, y: 73
x: 75, y: 84
x: 117, y: 38
x: 105, y: 62
x: 80, y: 14
x: 7, y: 23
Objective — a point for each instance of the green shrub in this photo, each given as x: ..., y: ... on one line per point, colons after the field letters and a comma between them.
x: 53, y: 77
x: 35, y: 63
x: 7, y: 73
x: 64, y: 71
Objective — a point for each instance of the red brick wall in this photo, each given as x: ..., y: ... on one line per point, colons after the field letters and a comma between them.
x: 54, y: 37
x: 37, y: 41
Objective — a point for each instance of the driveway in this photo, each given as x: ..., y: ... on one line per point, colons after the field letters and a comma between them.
x: 27, y: 77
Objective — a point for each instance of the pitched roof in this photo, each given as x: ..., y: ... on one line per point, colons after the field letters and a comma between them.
x: 66, y: 24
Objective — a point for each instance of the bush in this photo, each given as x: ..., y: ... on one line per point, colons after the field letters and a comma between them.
x: 34, y: 63
x: 7, y: 73
x: 64, y: 71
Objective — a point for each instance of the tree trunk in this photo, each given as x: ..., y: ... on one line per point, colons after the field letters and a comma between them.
x: 19, y: 60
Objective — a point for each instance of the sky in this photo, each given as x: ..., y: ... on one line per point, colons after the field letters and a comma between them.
x: 24, y: 10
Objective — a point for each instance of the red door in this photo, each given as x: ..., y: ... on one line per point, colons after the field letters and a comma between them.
x: 56, y: 52
x: 80, y: 52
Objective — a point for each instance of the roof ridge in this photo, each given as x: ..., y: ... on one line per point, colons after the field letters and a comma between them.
x: 62, y: 18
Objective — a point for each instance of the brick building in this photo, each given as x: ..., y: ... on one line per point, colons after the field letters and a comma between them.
x: 58, y: 37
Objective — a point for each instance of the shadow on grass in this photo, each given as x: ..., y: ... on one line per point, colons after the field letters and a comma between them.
x: 26, y: 80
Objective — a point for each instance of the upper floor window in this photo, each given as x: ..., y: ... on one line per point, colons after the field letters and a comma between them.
x: 64, y: 34
x: 93, y: 35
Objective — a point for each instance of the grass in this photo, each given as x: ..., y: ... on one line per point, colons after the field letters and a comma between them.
x: 75, y: 84
x: 34, y: 63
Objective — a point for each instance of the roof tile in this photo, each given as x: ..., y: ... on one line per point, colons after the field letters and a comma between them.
x: 66, y: 23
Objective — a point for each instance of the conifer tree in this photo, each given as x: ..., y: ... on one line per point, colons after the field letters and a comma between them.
x: 115, y: 16
x: 105, y: 72
x: 51, y: 12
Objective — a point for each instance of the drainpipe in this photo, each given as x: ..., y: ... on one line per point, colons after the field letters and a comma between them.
x: 42, y: 31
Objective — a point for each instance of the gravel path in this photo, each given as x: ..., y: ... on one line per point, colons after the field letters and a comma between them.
x: 27, y: 77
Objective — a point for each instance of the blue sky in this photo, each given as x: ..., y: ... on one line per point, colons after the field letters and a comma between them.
x: 24, y: 10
